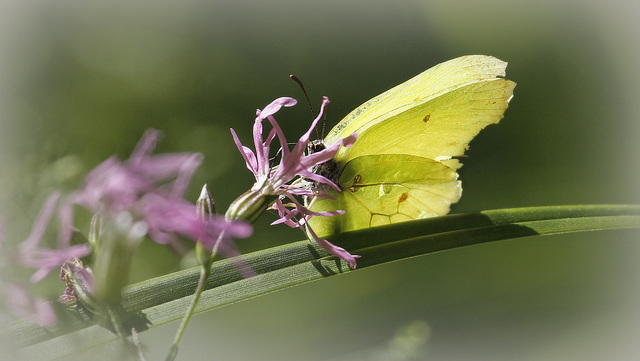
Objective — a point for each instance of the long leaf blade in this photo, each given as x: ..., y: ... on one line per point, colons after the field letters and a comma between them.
x: 163, y: 299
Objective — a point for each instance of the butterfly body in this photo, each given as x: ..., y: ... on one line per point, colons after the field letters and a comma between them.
x: 403, y: 164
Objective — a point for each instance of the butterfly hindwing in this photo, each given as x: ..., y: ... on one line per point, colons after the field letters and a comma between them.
x: 377, y: 192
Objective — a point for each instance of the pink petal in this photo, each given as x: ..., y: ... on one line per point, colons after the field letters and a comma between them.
x: 42, y: 222
x: 276, y: 105
x: 335, y: 250
x: 146, y: 145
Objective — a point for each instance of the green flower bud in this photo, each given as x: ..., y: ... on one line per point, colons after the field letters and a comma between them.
x: 250, y: 205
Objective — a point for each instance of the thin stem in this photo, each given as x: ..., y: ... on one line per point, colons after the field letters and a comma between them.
x: 137, y: 344
x: 116, y: 321
x: 205, y: 272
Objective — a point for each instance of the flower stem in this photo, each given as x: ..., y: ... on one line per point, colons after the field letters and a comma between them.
x: 205, y: 272
x: 249, y: 206
x: 116, y: 321
x: 206, y: 259
x: 114, y: 313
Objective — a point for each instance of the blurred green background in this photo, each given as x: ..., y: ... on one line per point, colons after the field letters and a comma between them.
x: 82, y: 80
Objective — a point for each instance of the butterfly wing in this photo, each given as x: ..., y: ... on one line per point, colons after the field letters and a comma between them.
x: 438, y: 129
x: 387, y: 188
x: 436, y: 81
x: 414, y: 129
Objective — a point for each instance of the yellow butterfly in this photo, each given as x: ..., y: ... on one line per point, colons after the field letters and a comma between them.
x: 403, y: 164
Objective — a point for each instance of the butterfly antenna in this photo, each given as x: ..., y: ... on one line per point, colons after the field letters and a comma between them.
x: 295, y: 78
x: 324, y: 123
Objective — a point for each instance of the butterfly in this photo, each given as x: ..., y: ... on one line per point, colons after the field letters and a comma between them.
x: 403, y: 165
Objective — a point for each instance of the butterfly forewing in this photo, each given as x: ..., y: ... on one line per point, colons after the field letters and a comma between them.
x: 438, y: 129
x: 403, y: 164
x: 436, y: 81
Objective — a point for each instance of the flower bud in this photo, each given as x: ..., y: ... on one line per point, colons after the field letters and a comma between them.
x: 205, y: 208
x: 81, y: 286
x: 250, y: 205
x: 205, y: 205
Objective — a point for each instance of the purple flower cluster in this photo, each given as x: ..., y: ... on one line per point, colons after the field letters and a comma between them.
x: 143, y: 196
x: 17, y: 299
x: 44, y: 260
x: 279, y: 181
x: 147, y: 190
x: 151, y: 189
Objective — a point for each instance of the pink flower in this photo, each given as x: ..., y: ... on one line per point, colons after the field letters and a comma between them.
x: 150, y: 188
x: 17, y: 299
x: 165, y: 216
x: 45, y: 260
x: 21, y: 304
x: 140, y: 196
x: 115, y: 186
x: 274, y: 184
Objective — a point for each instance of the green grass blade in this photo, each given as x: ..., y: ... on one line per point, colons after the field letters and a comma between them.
x: 163, y: 299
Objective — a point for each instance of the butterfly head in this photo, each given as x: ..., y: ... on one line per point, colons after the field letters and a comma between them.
x: 328, y: 169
